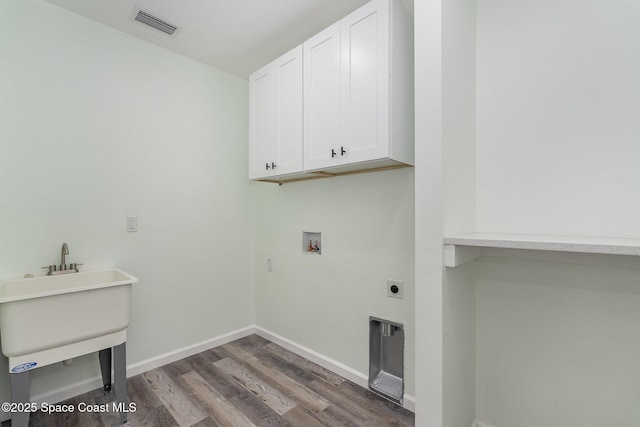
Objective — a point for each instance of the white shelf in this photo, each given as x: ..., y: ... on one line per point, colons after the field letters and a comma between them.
x: 465, y: 247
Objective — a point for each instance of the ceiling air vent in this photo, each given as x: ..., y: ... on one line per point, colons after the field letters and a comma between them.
x: 153, y: 21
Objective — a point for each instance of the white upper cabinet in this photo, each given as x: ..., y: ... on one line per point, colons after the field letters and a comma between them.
x: 322, y: 98
x: 275, y: 117
x: 357, y: 110
x: 364, y: 67
x: 349, y: 89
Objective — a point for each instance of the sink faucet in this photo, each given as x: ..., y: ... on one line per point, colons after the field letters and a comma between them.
x: 62, y: 268
x: 63, y: 252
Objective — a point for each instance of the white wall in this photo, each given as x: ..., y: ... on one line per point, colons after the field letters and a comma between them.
x: 459, y: 203
x: 557, y: 344
x: 323, y: 302
x: 444, y: 203
x: 96, y: 126
x: 557, y: 152
x: 558, y: 117
x: 428, y: 212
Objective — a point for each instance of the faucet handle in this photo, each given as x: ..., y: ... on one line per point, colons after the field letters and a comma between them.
x: 51, y: 268
x: 74, y: 266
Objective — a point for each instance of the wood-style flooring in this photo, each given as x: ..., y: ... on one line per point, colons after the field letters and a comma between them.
x: 248, y: 382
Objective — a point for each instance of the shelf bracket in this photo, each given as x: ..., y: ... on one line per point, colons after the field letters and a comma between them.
x: 454, y: 255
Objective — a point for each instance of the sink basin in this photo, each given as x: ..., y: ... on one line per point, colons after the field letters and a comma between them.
x: 46, y: 319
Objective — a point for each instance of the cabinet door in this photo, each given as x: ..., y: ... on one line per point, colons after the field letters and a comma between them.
x: 288, y: 105
x: 262, y: 115
x: 322, y: 98
x: 365, y: 82
x: 275, y: 117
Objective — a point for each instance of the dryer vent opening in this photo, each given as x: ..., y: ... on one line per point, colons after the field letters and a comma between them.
x: 386, y: 359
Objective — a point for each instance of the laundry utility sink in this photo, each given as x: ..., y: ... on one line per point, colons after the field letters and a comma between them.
x: 50, y: 318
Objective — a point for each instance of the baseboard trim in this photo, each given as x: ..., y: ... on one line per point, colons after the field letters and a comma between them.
x: 409, y: 402
x: 326, y: 362
x: 333, y: 365
x: 481, y: 423
x: 172, y: 356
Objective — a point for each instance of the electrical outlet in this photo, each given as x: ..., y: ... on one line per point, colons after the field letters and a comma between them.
x: 395, y: 289
x: 269, y: 265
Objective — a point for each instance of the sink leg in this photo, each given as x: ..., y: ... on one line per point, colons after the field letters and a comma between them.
x: 20, y: 394
x: 120, y: 376
x: 105, y: 368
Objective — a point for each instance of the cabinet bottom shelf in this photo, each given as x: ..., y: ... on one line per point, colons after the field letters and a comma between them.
x: 336, y: 171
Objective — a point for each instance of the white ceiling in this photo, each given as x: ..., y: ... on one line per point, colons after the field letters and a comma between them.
x: 237, y: 36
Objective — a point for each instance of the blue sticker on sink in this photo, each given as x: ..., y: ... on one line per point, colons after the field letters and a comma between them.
x: 23, y: 367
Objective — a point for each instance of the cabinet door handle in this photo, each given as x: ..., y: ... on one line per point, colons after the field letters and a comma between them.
x: 342, y: 151
x: 333, y: 152
x: 267, y: 164
x: 273, y: 165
